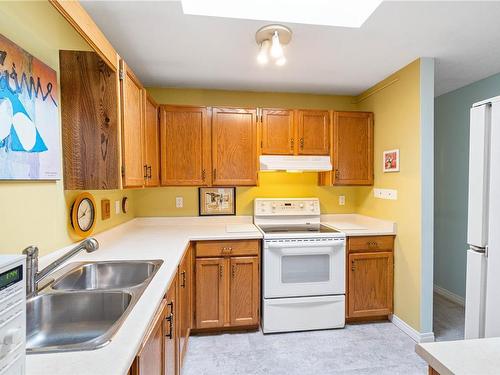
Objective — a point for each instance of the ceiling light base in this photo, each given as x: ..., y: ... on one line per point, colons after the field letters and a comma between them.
x: 266, y: 33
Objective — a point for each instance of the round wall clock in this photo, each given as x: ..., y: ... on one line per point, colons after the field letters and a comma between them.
x: 124, y: 205
x: 83, y: 214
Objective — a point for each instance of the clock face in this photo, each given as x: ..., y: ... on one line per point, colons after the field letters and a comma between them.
x: 85, y: 214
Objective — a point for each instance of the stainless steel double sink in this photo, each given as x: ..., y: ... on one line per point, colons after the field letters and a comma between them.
x: 84, y: 304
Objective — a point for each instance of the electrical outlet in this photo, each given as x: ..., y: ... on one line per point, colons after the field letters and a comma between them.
x: 179, y: 202
x: 391, y: 194
x: 118, y: 207
x: 342, y: 200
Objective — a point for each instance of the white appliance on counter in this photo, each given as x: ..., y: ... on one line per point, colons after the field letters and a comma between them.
x: 12, y: 315
x: 482, y: 303
x: 303, y: 267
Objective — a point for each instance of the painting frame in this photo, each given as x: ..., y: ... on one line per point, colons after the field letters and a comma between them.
x: 214, y: 208
x: 391, y: 161
x: 30, y: 125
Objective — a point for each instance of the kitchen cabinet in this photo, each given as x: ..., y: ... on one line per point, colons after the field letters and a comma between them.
x: 352, y: 151
x: 234, y: 146
x: 185, y: 146
x: 277, y: 132
x: 244, y: 291
x: 152, y: 142
x: 185, y: 304
x: 150, y: 358
x: 132, y: 105
x: 295, y: 132
x: 170, y: 324
x: 89, y: 132
x: 313, y: 132
x: 227, y: 284
x: 370, y: 264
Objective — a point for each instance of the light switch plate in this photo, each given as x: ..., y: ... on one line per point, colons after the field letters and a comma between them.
x: 118, y: 207
x: 341, y: 200
x: 179, y: 202
x: 391, y: 194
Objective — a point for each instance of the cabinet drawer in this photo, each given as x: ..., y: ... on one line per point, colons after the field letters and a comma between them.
x: 371, y: 243
x: 227, y: 248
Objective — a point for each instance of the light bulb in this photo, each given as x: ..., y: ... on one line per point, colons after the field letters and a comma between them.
x: 263, y: 56
x: 280, y: 61
x: 276, y: 49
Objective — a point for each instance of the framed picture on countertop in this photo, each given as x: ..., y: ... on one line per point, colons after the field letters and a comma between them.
x: 217, y: 201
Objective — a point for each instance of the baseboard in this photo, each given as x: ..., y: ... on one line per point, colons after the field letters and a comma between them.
x: 449, y: 295
x: 410, y: 331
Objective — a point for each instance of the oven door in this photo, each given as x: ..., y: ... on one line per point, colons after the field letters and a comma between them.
x: 304, y: 267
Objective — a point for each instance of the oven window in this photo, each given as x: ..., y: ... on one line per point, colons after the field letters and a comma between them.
x: 305, y: 268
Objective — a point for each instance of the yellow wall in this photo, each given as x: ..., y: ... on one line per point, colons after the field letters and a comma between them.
x: 397, y: 125
x: 37, y: 212
x: 161, y: 201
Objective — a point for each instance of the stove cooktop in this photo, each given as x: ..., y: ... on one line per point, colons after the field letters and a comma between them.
x: 297, y: 229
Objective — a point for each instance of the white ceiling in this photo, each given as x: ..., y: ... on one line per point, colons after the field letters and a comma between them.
x: 166, y: 48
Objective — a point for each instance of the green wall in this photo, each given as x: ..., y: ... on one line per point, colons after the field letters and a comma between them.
x: 451, y: 180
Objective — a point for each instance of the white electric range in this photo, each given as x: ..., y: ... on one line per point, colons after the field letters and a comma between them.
x: 303, y: 266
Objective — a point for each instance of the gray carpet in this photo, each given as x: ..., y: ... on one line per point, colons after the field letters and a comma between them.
x: 449, y: 319
x: 378, y: 348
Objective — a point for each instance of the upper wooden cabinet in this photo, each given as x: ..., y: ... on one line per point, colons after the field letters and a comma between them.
x: 152, y: 142
x: 132, y: 104
x: 185, y: 146
x: 313, y: 132
x: 90, y: 131
x: 295, y: 132
x: 234, y: 146
x: 277, y: 132
x: 352, y: 151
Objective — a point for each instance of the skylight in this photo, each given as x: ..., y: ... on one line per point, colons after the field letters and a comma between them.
x: 344, y: 13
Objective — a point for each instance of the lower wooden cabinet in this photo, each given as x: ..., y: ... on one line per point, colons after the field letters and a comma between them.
x: 150, y: 358
x: 171, y: 342
x: 227, y: 287
x: 185, y: 306
x: 370, y: 264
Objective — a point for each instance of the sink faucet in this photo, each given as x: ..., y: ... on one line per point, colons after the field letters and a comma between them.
x: 33, y: 276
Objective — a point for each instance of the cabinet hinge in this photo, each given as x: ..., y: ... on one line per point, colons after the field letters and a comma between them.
x: 123, y: 171
x: 121, y: 74
x: 261, y: 144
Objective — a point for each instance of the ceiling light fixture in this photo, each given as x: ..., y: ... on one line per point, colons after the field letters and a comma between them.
x: 342, y: 13
x: 271, y: 39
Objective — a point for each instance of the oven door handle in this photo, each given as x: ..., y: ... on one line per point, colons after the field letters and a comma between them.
x: 337, y: 245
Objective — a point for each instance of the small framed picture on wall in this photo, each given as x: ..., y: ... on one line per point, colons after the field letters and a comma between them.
x: 391, y: 161
x: 217, y: 201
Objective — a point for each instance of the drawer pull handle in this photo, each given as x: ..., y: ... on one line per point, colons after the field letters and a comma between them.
x: 170, y: 320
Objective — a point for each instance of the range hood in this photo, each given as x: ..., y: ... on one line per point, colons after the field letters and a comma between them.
x: 295, y: 163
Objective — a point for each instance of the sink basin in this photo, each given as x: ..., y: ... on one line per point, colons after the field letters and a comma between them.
x: 106, y: 275
x: 73, y: 321
x: 85, y: 305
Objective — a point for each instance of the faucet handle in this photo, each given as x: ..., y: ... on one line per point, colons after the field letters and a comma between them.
x: 31, y: 252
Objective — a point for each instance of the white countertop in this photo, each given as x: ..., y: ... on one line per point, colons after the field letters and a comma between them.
x: 138, y: 239
x: 359, y: 225
x: 479, y: 356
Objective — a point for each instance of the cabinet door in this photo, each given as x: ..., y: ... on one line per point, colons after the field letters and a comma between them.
x: 133, y: 170
x: 370, y: 284
x: 185, y: 146
x: 152, y: 143
x: 234, y: 146
x: 353, y: 148
x: 170, y: 331
x: 185, y: 292
x: 277, y: 132
x: 244, y: 291
x: 150, y: 359
x: 210, y: 299
x: 313, y: 132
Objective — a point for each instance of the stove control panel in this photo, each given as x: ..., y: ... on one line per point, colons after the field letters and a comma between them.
x: 286, y: 206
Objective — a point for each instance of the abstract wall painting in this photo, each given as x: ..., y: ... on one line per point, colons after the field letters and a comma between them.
x: 30, y: 142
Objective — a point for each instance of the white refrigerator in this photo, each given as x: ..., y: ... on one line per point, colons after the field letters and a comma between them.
x: 482, y: 300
